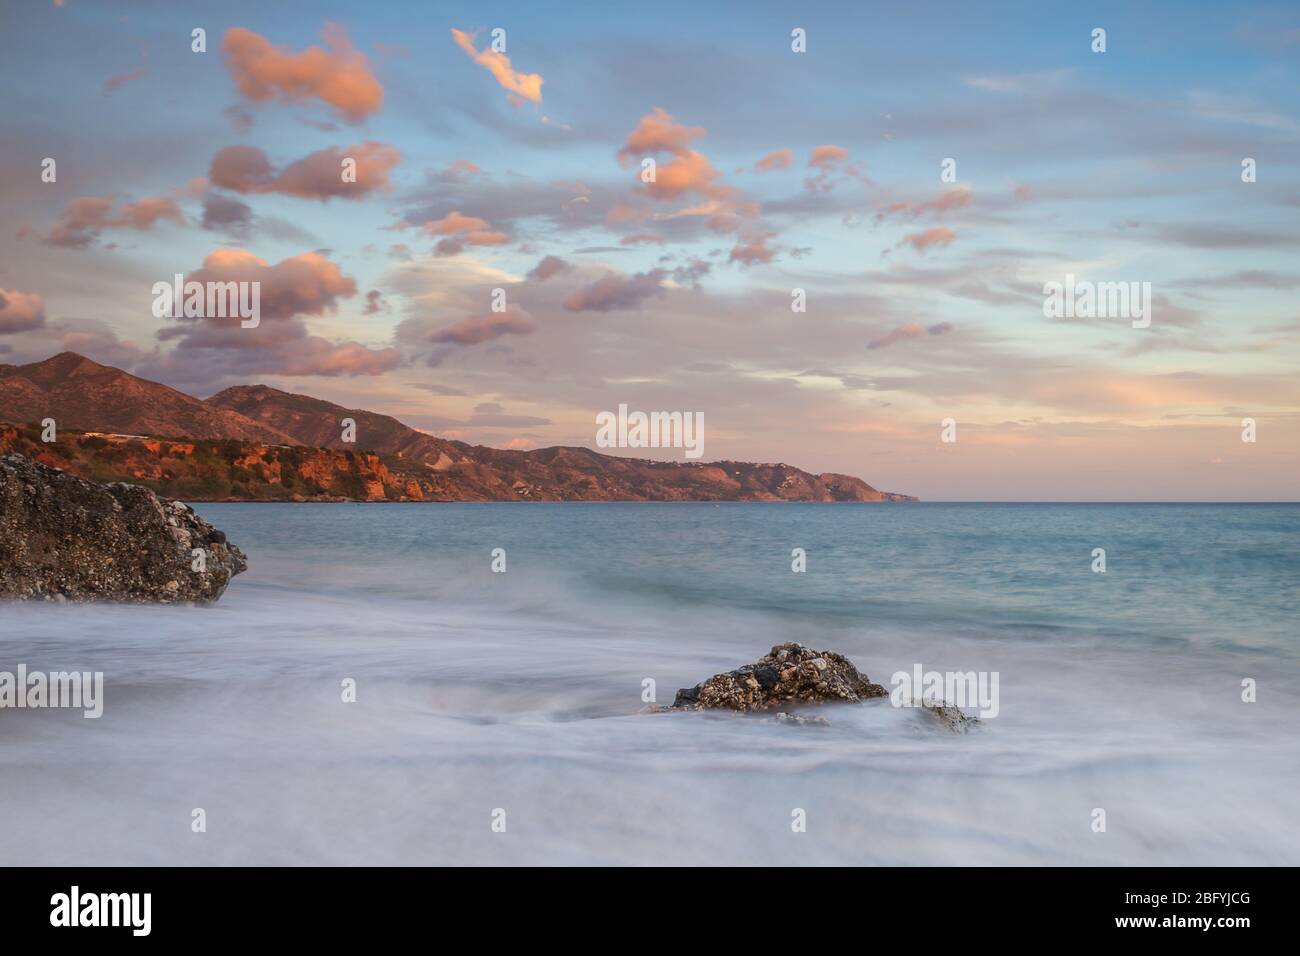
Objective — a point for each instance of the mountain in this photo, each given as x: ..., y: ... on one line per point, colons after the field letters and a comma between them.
x: 550, y: 474
x: 80, y: 394
x: 252, y: 441
x: 312, y: 421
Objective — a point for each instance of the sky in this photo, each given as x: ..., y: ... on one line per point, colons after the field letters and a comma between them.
x: 501, y: 271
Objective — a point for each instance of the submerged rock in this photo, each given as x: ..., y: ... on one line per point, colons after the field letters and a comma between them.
x: 65, y: 538
x: 947, y: 715
x: 794, y: 720
x: 789, y: 674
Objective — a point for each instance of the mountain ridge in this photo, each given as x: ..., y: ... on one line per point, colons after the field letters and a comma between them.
x: 78, y: 392
x: 273, y: 431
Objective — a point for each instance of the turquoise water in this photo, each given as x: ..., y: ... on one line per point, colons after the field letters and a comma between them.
x: 1206, y: 574
x: 522, y: 690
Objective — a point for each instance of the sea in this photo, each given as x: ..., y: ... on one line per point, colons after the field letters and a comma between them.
x: 428, y: 684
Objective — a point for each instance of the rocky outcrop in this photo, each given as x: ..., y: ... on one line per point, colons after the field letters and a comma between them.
x: 788, y: 674
x: 65, y: 538
x: 791, y: 674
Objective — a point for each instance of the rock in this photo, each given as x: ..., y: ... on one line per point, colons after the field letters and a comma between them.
x: 790, y: 673
x: 947, y: 715
x: 65, y: 538
x: 797, y: 721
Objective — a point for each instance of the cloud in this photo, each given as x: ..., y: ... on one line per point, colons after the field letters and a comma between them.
x: 290, y: 290
x: 85, y: 217
x: 616, y: 291
x: 777, y: 159
x: 658, y: 132
x: 935, y: 236
x: 460, y: 231
x: 688, y: 171
x: 375, y: 302
x: 115, y: 82
x: 754, y: 250
x: 308, y: 284
x: 1216, y: 236
x: 20, y: 311
x: 484, y: 328
x: 222, y: 213
x: 455, y: 222
x: 831, y: 167
x: 722, y: 208
x: 957, y: 197
x: 524, y: 86
x: 457, y: 171
x: 314, y: 355
x: 913, y: 331
x: 548, y: 267
x: 246, y: 169
x: 692, y: 272
x: 337, y: 75
x: 143, y: 213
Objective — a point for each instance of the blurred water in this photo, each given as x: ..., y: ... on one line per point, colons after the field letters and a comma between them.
x: 521, y: 690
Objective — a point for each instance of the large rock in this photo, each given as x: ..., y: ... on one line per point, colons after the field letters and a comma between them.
x: 65, y: 538
x: 790, y: 673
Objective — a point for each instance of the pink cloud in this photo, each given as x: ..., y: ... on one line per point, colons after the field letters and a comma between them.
x: 85, y: 217
x: 308, y: 284
x: 829, y: 163
x: 753, y: 250
x: 116, y: 82
x: 461, y: 231
x: 289, y: 291
x: 484, y: 328
x: 956, y: 197
x: 687, y: 173
x: 20, y: 311
x: 525, y: 86
x: 777, y: 159
x: 935, y: 236
x: 658, y: 132
x: 337, y: 75
x: 317, y: 356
